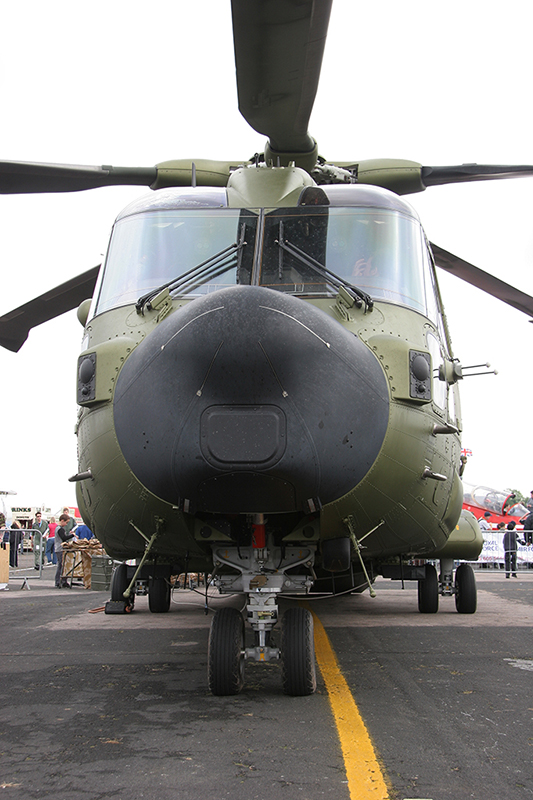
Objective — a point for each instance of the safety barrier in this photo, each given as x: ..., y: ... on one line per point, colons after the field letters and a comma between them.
x: 18, y: 572
x: 493, y: 552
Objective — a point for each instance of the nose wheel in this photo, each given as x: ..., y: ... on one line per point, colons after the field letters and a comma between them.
x: 298, y: 652
x: 225, y: 656
x: 263, y: 573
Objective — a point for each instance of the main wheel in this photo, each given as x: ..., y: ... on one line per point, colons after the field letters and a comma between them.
x: 225, y: 654
x: 158, y: 595
x: 298, y: 652
x: 119, y: 582
x: 465, y: 589
x: 428, y: 592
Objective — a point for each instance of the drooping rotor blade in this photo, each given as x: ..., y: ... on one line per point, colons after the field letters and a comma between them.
x: 438, y: 176
x: 16, y: 325
x: 279, y: 46
x: 483, y: 280
x: 25, y: 177
x: 408, y: 177
x: 20, y: 177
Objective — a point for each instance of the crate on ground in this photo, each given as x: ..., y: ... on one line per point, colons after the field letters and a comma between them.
x: 101, y: 572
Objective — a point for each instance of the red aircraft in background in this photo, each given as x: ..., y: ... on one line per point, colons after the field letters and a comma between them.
x: 501, y: 504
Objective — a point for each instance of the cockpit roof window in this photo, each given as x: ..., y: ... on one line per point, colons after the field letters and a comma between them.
x: 193, y: 198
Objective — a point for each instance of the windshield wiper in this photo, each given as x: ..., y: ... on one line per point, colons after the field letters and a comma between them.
x: 215, y: 265
x: 334, y: 280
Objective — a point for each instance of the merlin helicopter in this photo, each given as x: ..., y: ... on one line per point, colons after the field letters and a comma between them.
x: 267, y: 388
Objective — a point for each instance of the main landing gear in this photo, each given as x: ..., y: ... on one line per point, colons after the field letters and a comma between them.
x: 128, y: 582
x: 263, y: 572
x: 464, y: 587
x: 143, y: 578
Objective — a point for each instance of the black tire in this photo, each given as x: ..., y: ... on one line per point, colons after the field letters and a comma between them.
x: 298, y: 652
x: 225, y: 655
x: 465, y: 589
x: 158, y: 595
x: 119, y: 582
x: 428, y: 592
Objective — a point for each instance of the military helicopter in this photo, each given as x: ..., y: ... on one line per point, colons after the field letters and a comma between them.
x: 267, y: 388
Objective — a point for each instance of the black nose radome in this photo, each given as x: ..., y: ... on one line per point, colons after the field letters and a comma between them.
x: 250, y: 401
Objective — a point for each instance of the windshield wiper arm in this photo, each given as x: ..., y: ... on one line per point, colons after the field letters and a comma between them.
x: 218, y: 267
x: 214, y: 266
x: 358, y: 295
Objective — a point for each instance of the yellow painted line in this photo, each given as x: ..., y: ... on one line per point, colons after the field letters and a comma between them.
x: 363, y: 771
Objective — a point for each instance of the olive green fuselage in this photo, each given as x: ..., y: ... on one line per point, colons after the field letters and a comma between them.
x: 414, y: 514
x: 392, y: 456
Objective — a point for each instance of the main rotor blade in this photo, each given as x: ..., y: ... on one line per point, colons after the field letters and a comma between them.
x: 19, y: 177
x: 438, y: 176
x: 16, y: 325
x: 483, y: 280
x: 408, y: 177
x: 279, y: 46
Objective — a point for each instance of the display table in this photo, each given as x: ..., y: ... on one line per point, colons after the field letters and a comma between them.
x: 77, y: 560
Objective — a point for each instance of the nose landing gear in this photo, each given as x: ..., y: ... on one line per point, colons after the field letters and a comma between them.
x: 263, y: 571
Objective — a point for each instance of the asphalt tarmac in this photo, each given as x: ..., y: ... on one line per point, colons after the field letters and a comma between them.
x: 97, y: 706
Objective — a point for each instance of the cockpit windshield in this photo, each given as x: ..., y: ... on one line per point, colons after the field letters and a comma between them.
x: 305, y: 250
x: 151, y: 249
x: 378, y: 251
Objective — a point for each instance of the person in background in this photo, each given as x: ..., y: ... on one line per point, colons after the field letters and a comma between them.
x: 510, y: 546
x: 50, y: 554
x: 40, y: 529
x: 15, y: 538
x: 484, y: 521
x: 528, y: 527
x: 72, y: 522
x: 61, y: 535
x: 83, y: 532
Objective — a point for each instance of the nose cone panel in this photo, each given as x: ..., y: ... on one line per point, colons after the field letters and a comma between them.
x: 248, y: 400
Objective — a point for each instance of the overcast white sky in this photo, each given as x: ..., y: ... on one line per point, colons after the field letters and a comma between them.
x: 124, y: 84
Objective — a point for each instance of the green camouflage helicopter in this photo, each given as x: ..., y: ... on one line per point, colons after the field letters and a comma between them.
x: 267, y: 389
